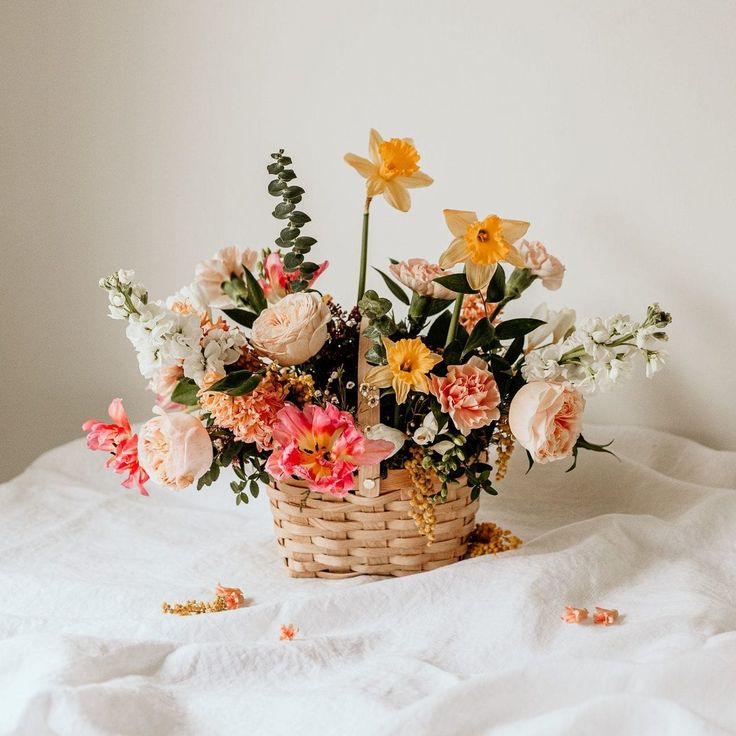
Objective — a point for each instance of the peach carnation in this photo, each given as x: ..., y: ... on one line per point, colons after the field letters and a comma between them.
x: 419, y: 274
x: 473, y: 310
x: 469, y: 394
x: 250, y: 417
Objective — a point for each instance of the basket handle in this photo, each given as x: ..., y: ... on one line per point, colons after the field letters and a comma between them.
x: 369, y: 413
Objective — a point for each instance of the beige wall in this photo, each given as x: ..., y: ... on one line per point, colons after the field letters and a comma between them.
x: 136, y: 133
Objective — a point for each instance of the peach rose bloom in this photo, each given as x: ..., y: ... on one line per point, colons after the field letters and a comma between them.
x: 175, y: 449
x: 546, y: 419
x: 293, y: 330
x: 418, y: 275
x: 543, y: 265
x: 469, y: 394
x: 165, y: 379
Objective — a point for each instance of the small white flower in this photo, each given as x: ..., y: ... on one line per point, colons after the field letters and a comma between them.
x: 557, y: 325
x: 654, y: 362
x: 427, y: 431
x: 442, y: 447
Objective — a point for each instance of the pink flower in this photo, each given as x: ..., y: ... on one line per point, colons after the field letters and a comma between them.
x: 276, y: 282
x: 543, y: 265
x: 469, y: 394
x: 322, y: 446
x: 175, y: 449
x: 117, y: 438
x: 226, y: 263
x: 546, y: 419
x: 233, y: 597
x: 574, y: 615
x: 419, y: 275
x: 605, y: 616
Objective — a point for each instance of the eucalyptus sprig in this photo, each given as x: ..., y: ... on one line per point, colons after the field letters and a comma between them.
x: 290, y: 237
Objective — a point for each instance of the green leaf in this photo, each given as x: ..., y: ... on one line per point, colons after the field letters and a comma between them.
x: 517, y: 327
x: 292, y: 261
x: 456, y: 282
x: 241, y: 316
x: 292, y: 192
x: 297, y: 217
x: 304, y: 241
x: 237, y: 383
x: 288, y: 234
x: 393, y: 261
x: 254, y: 489
x: 437, y: 333
x: 275, y: 187
x: 438, y: 305
x: 393, y: 287
x: 185, y: 392
x: 515, y: 349
x: 481, y: 336
x: 376, y: 354
x: 497, y: 286
x: 451, y: 354
x: 308, y: 268
x: 286, y: 174
x: 256, y: 297
x: 282, y: 210
x: 583, y: 444
x: 274, y: 168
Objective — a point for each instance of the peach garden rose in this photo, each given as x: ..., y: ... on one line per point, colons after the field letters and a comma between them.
x: 293, y: 330
x: 175, y: 449
x: 546, y: 419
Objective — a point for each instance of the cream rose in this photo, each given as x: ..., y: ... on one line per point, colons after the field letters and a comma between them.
x: 175, y: 449
x: 543, y: 265
x: 546, y: 419
x: 419, y: 275
x: 293, y: 330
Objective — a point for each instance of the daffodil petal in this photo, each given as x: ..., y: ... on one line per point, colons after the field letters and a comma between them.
x: 397, y: 196
x: 402, y: 390
x: 380, y: 376
x: 374, y: 141
x: 362, y: 165
x: 513, y: 230
x: 479, y: 274
x: 514, y: 257
x: 416, y: 180
x: 458, y: 221
x: 421, y: 384
x: 456, y: 253
x: 375, y: 186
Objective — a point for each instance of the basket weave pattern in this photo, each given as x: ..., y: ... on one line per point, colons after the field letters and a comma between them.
x: 330, y: 537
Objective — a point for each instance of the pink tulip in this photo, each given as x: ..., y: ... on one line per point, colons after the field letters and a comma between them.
x: 276, y: 282
x: 322, y: 446
x: 117, y: 438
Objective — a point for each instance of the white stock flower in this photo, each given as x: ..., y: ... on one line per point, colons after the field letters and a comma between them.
x: 217, y: 349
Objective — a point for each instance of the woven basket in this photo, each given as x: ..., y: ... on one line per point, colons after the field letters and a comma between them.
x: 369, y: 532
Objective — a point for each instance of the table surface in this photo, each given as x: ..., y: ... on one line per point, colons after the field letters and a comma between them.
x: 476, y: 647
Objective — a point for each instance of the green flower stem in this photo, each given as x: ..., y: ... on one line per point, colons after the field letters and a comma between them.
x: 455, y: 319
x: 364, y: 249
x: 501, y: 305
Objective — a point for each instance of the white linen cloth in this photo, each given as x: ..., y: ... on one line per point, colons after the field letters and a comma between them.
x: 473, y: 648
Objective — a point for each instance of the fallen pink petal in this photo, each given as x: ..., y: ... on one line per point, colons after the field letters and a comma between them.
x: 574, y: 615
x: 605, y: 616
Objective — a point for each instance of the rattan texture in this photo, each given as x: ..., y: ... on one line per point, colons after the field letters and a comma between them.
x: 329, y: 537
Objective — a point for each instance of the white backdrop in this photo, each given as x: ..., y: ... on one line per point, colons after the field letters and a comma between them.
x: 136, y: 134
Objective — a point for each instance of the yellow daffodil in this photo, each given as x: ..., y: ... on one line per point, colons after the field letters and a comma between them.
x: 481, y: 244
x: 393, y: 168
x: 409, y: 362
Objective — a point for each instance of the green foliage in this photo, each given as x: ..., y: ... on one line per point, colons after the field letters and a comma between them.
x: 456, y: 282
x: 438, y: 330
x: 185, y: 392
x: 237, y: 383
x: 513, y: 328
x: 377, y: 309
x: 482, y: 336
x: 290, y: 236
x: 241, y: 316
x: 393, y: 287
x: 497, y: 286
x: 583, y: 444
x: 256, y: 297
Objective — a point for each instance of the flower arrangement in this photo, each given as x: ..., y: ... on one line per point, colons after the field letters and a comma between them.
x: 255, y: 369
